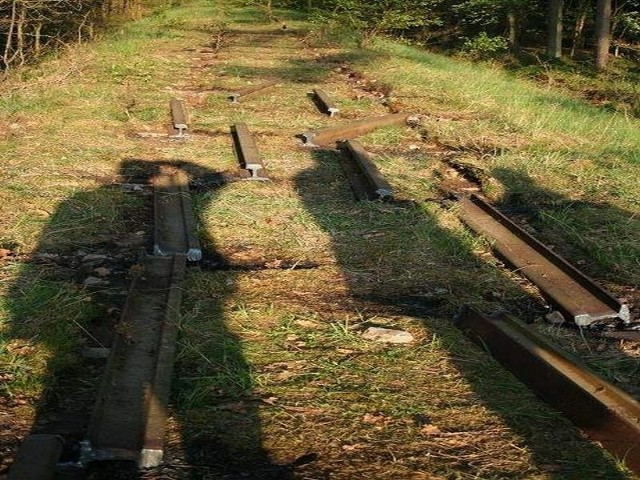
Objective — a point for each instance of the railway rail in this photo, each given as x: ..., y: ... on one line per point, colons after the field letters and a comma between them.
x: 130, y: 413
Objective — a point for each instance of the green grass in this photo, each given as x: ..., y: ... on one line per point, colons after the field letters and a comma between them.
x: 272, y: 360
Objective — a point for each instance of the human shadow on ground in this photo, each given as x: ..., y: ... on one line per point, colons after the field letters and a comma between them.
x: 100, y: 235
x: 403, y: 256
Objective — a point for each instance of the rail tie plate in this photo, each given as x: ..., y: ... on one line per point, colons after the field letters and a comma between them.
x: 174, y: 222
x: 324, y: 103
x: 574, y: 294
x: 607, y: 414
x: 236, y: 96
x: 366, y: 175
x: 247, y: 151
x: 331, y: 135
x: 128, y: 422
x: 179, y: 117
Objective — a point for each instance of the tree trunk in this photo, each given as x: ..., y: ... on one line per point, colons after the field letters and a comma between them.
x: 554, y: 38
x: 578, y: 38
x: 37, y: 46
x: 512, y: 21
x: 7, y: 58
x: 603, y: 33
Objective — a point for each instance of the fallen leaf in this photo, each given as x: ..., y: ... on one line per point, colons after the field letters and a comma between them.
x: 430, y: 430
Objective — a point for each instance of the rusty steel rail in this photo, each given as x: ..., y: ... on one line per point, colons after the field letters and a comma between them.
x: 366, y: 176
x: 324, y: 103
x: 37, y: 458
x: 570, y: 291
x: 179, y: 117
x: 607, y: 414
x: 331, y: 135
x: 247, y: 152
x: 245, y: 92
x: 174, y: 221
x: 128, y: 422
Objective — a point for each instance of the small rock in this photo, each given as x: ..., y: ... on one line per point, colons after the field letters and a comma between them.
x: 95, y: 352
x: 555, y: 318
x: 414, y: 147
x: 94, y: 257
x: 306, y: 324
x: 102, y: 271
x: 94, y: 282
x: 387, y: 335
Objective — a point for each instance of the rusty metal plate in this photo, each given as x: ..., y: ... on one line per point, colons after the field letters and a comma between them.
x: 574, y: 294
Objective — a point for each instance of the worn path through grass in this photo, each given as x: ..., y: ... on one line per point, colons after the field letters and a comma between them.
x: 273, y: 379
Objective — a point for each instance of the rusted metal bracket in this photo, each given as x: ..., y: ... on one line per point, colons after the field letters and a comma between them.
x: 174, y: 221
x: 179, y: 118
x: 247, y: 151
x: 327, y: 136
x: 375, y: 186
x: 569, y: 290
x: 236, y: 96
x: 604, y: 412
x: 37, y: 458
x: 128, y: 422
x: 324, y: 103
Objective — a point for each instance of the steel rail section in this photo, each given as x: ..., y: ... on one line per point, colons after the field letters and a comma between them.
x: 236, y: 96
x: 179, y: 116
x: 37, y: 458
x: 327, y: 136
x: 376, y: 187
x: 574, y: 294
x: 607, y: 414
x: 128, y: 422
x: 174, y: 221
x: 324, y: 103
x: 246, y: 151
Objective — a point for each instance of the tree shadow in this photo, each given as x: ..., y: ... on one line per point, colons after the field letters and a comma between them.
x: 100, y: 235
x: 396, y: 256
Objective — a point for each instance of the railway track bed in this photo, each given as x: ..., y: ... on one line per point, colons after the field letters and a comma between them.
x: 274, y: 378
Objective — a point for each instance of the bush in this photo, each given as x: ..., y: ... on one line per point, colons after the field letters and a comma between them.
x: 484, y: 47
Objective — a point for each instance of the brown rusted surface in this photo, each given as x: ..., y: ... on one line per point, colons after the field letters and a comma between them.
x: 347, y: 131
x: 376, y: 187
x: 174, y: 221
x: 324, y: 103
x: 129, y: 417
x: 607, y: 414
x: 245, y: 92
x: 247, y: 151
x: 574, y: 294
x: 37, y: 458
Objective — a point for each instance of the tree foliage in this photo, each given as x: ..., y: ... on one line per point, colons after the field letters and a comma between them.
x: 29, y: 27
